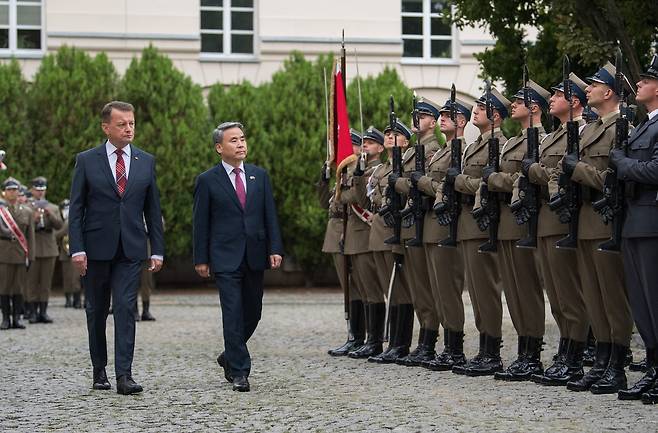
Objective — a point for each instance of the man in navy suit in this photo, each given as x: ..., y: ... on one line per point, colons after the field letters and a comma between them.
x: 236, y: 236
x: 113, y: 191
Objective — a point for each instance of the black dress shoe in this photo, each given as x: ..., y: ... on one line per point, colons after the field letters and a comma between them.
x: 240, y: 384
x: 126, y: 385
x: 221, y: 360
x: 643, y: 385
x: 100, y: 380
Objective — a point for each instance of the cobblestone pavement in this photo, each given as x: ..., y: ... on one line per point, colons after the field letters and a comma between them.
x: 46, y: 376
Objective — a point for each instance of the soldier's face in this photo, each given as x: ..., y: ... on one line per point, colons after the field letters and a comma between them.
x: 480, y: 116
x: 426, y: 122
x: 11, y: 195
x: 519, y: 110
x: 38, y: 195
x: 647, y: 92
x: 233, y: 147
x: 558, y: 105
x: 598, y: 93
x: 356, y: 149
x: 120, y: 130
x: 372, y: 148
x: 446, y: 124
x: 389, y: 140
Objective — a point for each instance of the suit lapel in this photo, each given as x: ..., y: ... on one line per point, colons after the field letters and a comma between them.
x: 104, y: 165
x: 135, y: 167
x: 250, y: 175
x: 639, y: 131
x: 225, y: 182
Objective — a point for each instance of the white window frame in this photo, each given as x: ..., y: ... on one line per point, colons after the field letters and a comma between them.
x: 13, y: 50
x: 226, y: 31
x: 427, y: 38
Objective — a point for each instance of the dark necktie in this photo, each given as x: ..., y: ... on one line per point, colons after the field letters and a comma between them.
x: 239, y: 187
x: 120, y: 172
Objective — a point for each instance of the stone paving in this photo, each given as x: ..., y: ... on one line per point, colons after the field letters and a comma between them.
x: 45, y: 379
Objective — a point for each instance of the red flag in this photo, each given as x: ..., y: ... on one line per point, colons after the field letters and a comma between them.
x: 344, y: 139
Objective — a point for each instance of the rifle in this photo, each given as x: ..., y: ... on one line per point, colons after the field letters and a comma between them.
x: 415, y: 212
x: 391, y: 212
x: 449, y: 209
x: 611, y: 206
x: 489, y: 211
x: 530, y: 193
x: 569, y: 200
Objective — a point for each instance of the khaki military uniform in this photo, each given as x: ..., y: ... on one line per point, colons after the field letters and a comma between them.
x: 481, y: 269
x: 13, y: 274
x: 445, y: 265
x: 601, y: 274
x: 40, y: 274
x: 558, y: 267
x: 70, y: 278
x: 518, y: 270
x: 383, y: 252
x: 146, y: 279
x: 417, y: 273
x: 357, y: 237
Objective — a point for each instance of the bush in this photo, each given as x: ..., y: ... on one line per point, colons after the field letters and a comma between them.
x: 172, y: 124
x: 15, y: 130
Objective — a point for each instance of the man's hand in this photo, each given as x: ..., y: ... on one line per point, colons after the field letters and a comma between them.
x: 451, y: 175
x: 569, y: 163
x: 392, y: 179
x: 616, y: 156
x: 525, y: 166
x: 156, y: 265
x: 203, y: 270
x: 275, y: 261
x: 486, y: 172
x: 415, y: 177
x: 80, y: 264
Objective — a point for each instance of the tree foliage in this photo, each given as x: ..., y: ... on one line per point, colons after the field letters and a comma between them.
x: 172, y: 124
x: 15, y: 131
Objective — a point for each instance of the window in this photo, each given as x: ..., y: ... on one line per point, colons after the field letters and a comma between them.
x: 427, y: 32
x: 21, y: 25
x: 227, y: 27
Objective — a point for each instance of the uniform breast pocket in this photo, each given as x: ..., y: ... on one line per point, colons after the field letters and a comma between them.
x: 598, y: 158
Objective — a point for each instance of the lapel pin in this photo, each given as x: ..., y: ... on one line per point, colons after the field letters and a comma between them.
x: 252, y: 177
x: 136, y: 157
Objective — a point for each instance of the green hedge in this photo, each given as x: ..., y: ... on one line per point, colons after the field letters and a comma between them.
x: 43, y: 125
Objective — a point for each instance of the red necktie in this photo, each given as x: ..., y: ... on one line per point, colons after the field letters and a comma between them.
x: 239, y: 187
x: 120, y: 172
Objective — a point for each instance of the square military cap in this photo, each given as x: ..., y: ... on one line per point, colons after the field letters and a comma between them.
x: 578, y: 87
x: 460, y: 107
x: 40, y: 183
x: 400, y: 128
x: 374, y: 134
x: 424, y: 105
x: 652, y: 71
x: 355, y: 136
x: 498, y: 101
x: 10, y: 183
x: 537, y: 94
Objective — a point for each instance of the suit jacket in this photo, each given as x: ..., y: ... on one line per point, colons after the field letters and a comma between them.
x: 225, y: 234
x: 99, y: 218
x: 641, y: 166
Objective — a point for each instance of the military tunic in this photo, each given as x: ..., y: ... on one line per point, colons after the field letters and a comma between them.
x: 70, y: 278
x: 40, y: 274
x: 13, y: 273
x: 601, y: 274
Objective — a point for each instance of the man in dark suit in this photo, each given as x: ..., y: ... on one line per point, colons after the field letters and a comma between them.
x: 236, y: 236
x: 638, y: 167
x: 113, y: 191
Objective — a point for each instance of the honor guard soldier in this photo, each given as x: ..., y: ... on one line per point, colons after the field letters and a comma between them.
x: 481, y: 268
x: 47, y: 219
x: 146, y: 287
x: 414, y: 256
x: 333, y: 245
x: 443, y: 254
x: 354, y: 195
x: 601, y: 273
x: 558, y: 266
x: 70, y: 279
x: 639, y: 169
x: 16, y: 252
x: 389, y: 258
x: 523, y: 292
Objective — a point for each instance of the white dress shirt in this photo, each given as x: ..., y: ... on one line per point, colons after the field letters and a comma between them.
x: 112, y: 158
x: 229, y: 170
x: 653, y: 114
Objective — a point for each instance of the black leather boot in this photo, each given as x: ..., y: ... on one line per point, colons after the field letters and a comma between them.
x: 645, y: 384
x: 490, y: 362
x: 614, y: 377
x: 146, y: 313
x: 590, y: 350
x: 461, y: 368
x: 531, y: 363
x: 67, y: 300
x: 603, y: 351
x: 559, y: 361
x: 33, y: 315
x: 425, y: 351
x: 77, y: 302
x: 402, y: 360
x: 357, y: 330
x: 373, y: 345
x: 508, y: 373
x: 43, y: 313
x: 136, y: 312
x: 570, y: 370
x: 453, y: 356
x: 432, y: 364
x: 6, y: 312
x: 404, y: 330
x: 392, y: 334
x: 17, y: 305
